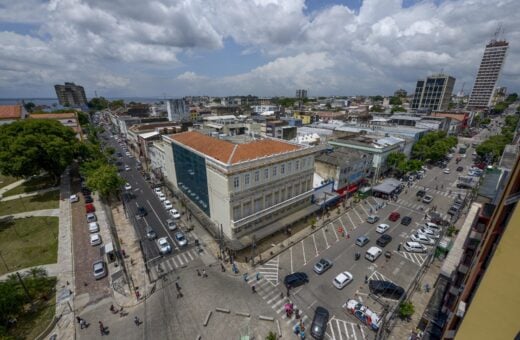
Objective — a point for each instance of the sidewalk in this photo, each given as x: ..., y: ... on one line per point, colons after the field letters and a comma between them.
x: 52, y: 270
x: 28, y: 194
x: 44, y: 212
x: 11, y: 186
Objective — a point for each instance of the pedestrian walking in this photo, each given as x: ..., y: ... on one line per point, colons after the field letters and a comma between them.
x: 399, y: 247
x: 101, y: 328
x: 281, y: 295
x: 253, y: 289
x: 78, y: 319
x: 137, y: 321
x: 198, y: 272
x: 366, y: 278
x: 177, y: 286
x: 245, y: 277
x: 82, y: 324
x: 204, y: 273
x: 257, y: 276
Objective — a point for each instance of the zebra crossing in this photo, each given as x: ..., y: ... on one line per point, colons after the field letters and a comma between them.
x: 417, y: 207
x: 171, y: 263
x: 337, y: 329
x: 378, y: 276
x: 416, y: 258
x: 269, y: 270
x: 447, y: 193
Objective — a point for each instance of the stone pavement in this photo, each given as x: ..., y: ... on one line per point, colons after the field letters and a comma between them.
x: 27, y: 194
x: 11, y: 186
x: 52, y: 270
x: 43, y: 212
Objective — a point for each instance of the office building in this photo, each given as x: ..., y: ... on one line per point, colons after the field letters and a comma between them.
x: 488, y: 73
x: 433, y: 93
x: 301, y: 94
x: 247, y: 188
x: 177, y: 110
x: 71, y: 95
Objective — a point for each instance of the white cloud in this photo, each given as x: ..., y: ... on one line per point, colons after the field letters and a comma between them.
x: 190, y: 76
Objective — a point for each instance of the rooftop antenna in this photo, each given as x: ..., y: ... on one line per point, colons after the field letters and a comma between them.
x: 498, y: 32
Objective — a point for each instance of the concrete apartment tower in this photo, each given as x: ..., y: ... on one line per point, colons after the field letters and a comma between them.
x: 71, y: 95
x: 433, y: 93
x: 488, y: 73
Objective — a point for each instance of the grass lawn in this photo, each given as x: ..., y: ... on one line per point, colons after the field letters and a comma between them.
x: 34, y: 184
x: 49, y: 200
x: 28, y: 242
x: 30, y: 325
x: 6, y: 180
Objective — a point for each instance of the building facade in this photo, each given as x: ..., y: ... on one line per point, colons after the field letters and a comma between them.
x: 177, y: 110
x: 433, y: 93
x: 301, y: 94
x: 488, y: 73
x: 247, y: 187
x: 71, y: 95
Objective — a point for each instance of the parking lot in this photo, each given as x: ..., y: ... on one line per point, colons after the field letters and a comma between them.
x: 329, y: 242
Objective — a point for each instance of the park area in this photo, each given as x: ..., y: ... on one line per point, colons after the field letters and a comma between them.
x: 48, y: 200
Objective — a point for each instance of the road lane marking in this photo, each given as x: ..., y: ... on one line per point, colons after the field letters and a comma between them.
x: 353, y: 225
x: 359, y: 216
x: 303, y: 250
x: 325, y: 237
x: 315, y: 246
x: 334, y: 230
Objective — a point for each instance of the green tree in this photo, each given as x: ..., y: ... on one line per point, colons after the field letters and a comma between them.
x: 398, y: 109
x: 406, y: 310
x: 395, y: 101
x: 105, y: 180
x: 271, y: 336
x: 376, y: 108
x: 30, y: 146
x: 395, y: 158
x: 83, y: 118
x: 376, y: 98
x: 98, y: 103
x: 29, y: 106
x: 114, y: 104
x: 217, y: 100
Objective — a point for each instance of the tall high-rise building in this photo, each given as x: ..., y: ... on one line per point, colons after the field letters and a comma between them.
x: 488, y: 73
x: 301, y: 94
x: 177, y: 110
x: 71, y: 95
x: 433, y: 93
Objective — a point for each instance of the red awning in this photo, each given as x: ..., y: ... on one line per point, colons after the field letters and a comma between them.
x: 352, y: 188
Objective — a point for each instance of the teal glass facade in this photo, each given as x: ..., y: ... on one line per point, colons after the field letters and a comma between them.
x: 192, y: 179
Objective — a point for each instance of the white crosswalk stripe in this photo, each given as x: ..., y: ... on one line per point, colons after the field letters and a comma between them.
x: 170, y: 263
x: 340, y: 329
x: 269, y: 270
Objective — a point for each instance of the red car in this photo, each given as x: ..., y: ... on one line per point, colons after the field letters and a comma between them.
x: 89, y: 208
x: 394, y: 216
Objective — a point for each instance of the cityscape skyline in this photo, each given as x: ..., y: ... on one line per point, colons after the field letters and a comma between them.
x: 204, y: 48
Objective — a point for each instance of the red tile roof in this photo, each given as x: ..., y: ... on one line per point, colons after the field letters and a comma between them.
x: 231, y: 153
x: 10, y: 111
x: 53, y: 115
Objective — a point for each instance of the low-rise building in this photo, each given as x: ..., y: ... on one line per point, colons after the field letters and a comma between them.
x: 69, y: 119
x: 11, y: 113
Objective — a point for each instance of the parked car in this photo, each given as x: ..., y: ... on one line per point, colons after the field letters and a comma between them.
x: 164, y: 246
x: 420, y: 193
x: 446, y: 171
x: 427, y: 199
x: 161, y: 196
x: 428, y: 232
x: 423, y: 239
x: 99, y: 269
x: 180, y: 239
x: 414, y: 247
x: 73, y: 198
x: 89, y: 208
x: 382, y: 228
x: 95, y: 239
x: 319, y: 323
x: 363, y: 313
x: 91, y: 217
x: 295, y: 279
x: 141, y: 211
x: 128, y: 186
x: 157, y: 190
x: 383, y: 240
x: 175, y: 214
x: 150, y: 233
x: 93, y: 227
x: 459, y: 169
x: 406, y: 220
x: 168, y: 205
x: 362, y: 240
x: 171, y: 224
x: 394, y: 216
x: 372, y: 219
x: 385, y: 289
x: 127, y: 168
x: 322, y: 266
x: 89, y: 199
x: 342, y: 279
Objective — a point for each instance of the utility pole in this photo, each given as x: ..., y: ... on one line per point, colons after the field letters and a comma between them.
x: 253, y: 248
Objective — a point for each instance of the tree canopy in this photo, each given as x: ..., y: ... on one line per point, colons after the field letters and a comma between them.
x: 494, y: 145
x: 30, y: 146
x: 398, y: 109
x: 395, y: 101
x: 104, y: 179
x: 433, y: 146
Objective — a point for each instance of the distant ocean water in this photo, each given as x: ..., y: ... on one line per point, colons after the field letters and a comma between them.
x: 54, y: 101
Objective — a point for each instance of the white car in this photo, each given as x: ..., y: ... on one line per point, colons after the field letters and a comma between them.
x: 421, y: 238
x: 382, y: 228
x: 127, y: 168
x: 427, y: 199
x: 157, y: 190
x: 128, y: 186
x: 414, y: 247
x: 161, y: 196
x: 164, y: 245
x: 168, y: 205
x: 93, y: 227
x: 175, y: 213
x: 95, y: 239
x: 127, y: 153
x: 171, y: 224
x: 428, y: 232
x: 446, y: 171
x: 74, y: 198
x: 342, y: 280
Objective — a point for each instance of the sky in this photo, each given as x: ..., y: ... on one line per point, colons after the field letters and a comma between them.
x: 173, y: 48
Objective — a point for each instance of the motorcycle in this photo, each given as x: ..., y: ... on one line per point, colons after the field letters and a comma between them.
x: 357, y: 256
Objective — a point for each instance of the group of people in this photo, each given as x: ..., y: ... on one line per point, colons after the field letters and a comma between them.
x: 103, y: 330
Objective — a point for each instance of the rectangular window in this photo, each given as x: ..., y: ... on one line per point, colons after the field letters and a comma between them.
x: 297, y: 165
x: 275, y: 168
x: 258, y: 204
x: 236, y: 182
x: 289, y: 167
x: 246, y: 179
x: 282, y: 195
x: 257, y: 176
x: 304, y: 163
x: 282, y: 169
x: 237, y: 213
x: 268, y: 200
x: 289, y: 192
x: 276, y: 197
x: 297, y: 189
x: 266, y: 173
x: 247, y: 209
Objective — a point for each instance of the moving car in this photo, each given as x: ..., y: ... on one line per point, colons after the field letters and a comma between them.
x: 406, y: 220
x: 128, y: 186
x: 295, y: 279
x: 363, y: 313
x: 99, y: 269
x: 141, y: 212
x: 150, y: 233
x: 319, y: 323
x: 394, y: 216
x: 383, y: 240
x: 459, y: 169
x: 414, y: 247
x: 420, y: 193
x: 167, y: 204
x: 385, y: 289
x: 127, y: 168
x: 322, y: 266
x: 93, y: 227
x: 342, y: 279
x: 91, y: 217
x: 372, y: 219
x: 446, y: 171
x: 180, y: 239
x: 175, y: 213
x: 73, y: 198
x: 427, y: 199
x: 164, y: 246
x: 95, y: 239
x: 171, y: 224
x: 423, y: 239
x: 362, y: 240
x: 382, y: 228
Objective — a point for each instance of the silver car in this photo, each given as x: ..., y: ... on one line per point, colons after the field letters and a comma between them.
x: 322, y: 265
x: 180, y: 239
x: 99, y: 269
